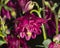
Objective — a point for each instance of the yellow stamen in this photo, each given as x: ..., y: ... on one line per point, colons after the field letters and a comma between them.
x: 29, y: 33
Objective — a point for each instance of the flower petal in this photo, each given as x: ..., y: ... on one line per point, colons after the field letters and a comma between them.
x: 22, y: 34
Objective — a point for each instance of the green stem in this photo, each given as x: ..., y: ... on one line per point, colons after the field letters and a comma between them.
x: 43, y: 28
x: 36, y: 5
x: 57, y: 27
x: 44, y: 33
x: 56, y: 19
x: 36, y: 12
x: 43, y: 5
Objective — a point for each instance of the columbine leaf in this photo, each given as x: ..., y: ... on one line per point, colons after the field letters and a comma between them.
x: 47, y: 4
x: 2, y: 27
x: 55, y: 5
x: 8, y: 8
x: 2, y: 1
x: 1, y: 35
x: 39, y: 46
x: 46, y: 43
x: 6, y: 1
x: 2, y: 42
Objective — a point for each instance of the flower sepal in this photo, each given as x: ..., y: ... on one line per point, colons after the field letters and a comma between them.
x: 46, y: 43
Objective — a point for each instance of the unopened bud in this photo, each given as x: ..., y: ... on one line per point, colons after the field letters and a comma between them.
x: 13, y: 13
x: 28, y: 6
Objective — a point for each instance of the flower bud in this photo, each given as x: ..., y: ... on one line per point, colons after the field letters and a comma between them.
x: 28, y: 6
x: 56, y: 38
x: 13, y: 13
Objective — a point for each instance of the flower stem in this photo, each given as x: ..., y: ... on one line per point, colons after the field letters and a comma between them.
x: 43, y: 7
x: 43, y: 28
x: 57, y: 26
x: 36, y: 12
x: 44, y: 32
x: 36, y: 5
x: 56, y: 19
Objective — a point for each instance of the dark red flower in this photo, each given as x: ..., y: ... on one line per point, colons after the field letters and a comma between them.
x: 50, y: 24
x: 28, y: 26
x: 54, y: 45
x: 15, y: 42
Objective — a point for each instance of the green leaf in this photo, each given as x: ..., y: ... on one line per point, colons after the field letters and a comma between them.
x: 54, y: 7
x: 46, y: 43
x: 1, y: 35
x: 2, y: 1
x: 2, y: 42
x: 39, y: 46
x: 6, y: 1
x: 47, y: 4
x: 8, y: 8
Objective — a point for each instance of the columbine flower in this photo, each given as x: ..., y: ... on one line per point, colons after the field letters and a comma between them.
x: 6, y: 8
x: 56, y: 38
x: 12, y: 42
x: 50, y: 24
x: 56, y: 42
x: 54, y: 45
x: 23, y: 43
x: 15, y: 42
x: 28, y: 26
x: 26, y: 5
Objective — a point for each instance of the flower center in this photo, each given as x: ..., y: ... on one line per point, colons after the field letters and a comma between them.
x: 29, y: 33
